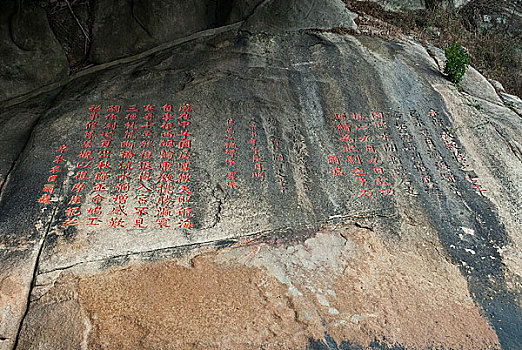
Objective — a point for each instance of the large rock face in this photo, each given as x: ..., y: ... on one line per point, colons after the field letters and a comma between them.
x: 123, y: 27
x: 259, y: 188
x: 42, y: 41
x: 276, y: 16
x: 31, y: 55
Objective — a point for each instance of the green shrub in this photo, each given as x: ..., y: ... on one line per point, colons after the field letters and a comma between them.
x: 457, y: 60
x: 477, y: 106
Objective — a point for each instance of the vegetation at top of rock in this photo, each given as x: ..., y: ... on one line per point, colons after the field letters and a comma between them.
x: 457, y: 61
x: 489, y: 30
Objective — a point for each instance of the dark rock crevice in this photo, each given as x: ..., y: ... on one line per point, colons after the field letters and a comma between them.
x: 517, y: 152
x: 15, y: 17
x: 35, y: 57
x: 136, y: 18
x: 36, y: 267
x: 24, y: 140
x: 220, y: 197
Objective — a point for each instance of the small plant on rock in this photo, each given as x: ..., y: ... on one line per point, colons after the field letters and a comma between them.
x: 457, y: 60
x: 477, y: 106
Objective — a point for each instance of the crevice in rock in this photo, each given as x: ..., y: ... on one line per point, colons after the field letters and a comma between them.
x: 18, y: 12
x: 335, y: 218
x: 509, y: 104
x: 93, y: 69
x: 48, y: 228
x: 516, y: 151
x: 17, y: 159
x: 8, y: 173
x: 255, y: 8
x: 137, y: 20
x: 433, y: 56
x: 91, y: 22
x: 35, y: 274
x: 358, y: 225
x: 254, y: 11
x: 225, y: 242
x: 476, y: 99
x: 515, y: 110
x: 219, y: 196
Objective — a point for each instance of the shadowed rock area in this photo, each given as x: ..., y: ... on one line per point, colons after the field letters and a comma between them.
x: 276, y: 183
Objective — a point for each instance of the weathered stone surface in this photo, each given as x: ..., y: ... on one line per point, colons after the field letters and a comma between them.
x: 31, y: 56
x: 497, y: 85
x: 398, y: 5
x: 125, y: 27
x: 401, y: 5
x: 299, y: 257
x: 513, y: 102
x: 276, y: 16
x: 345, y: 281
x: 242, y: 10
x: 62, y: 313
x: 17, y: 124
x: 478, y: 86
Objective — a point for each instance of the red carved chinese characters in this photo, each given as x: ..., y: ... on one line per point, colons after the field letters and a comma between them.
x: 230, y: 155
x: 122, y: 178
x: 360, y: 152
x: 164, y: 210
x: 49, y: 189
x: 257, y: 158
x: 184, y: 177
x: 463, y: 163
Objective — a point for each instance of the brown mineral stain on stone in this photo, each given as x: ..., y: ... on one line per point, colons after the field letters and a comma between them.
x: 55, y: 320
x: 11, y: 291
x: 364, y: 287
x: 347, y: 281
x: 407, y: 298
x: 211, y: 306
x: 13, y: 298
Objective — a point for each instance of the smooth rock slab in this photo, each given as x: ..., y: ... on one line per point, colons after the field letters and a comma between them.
x: 294, y: 105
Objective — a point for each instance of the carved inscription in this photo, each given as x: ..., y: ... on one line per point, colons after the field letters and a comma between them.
x: 361, y: 136
x: 134, y: 167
